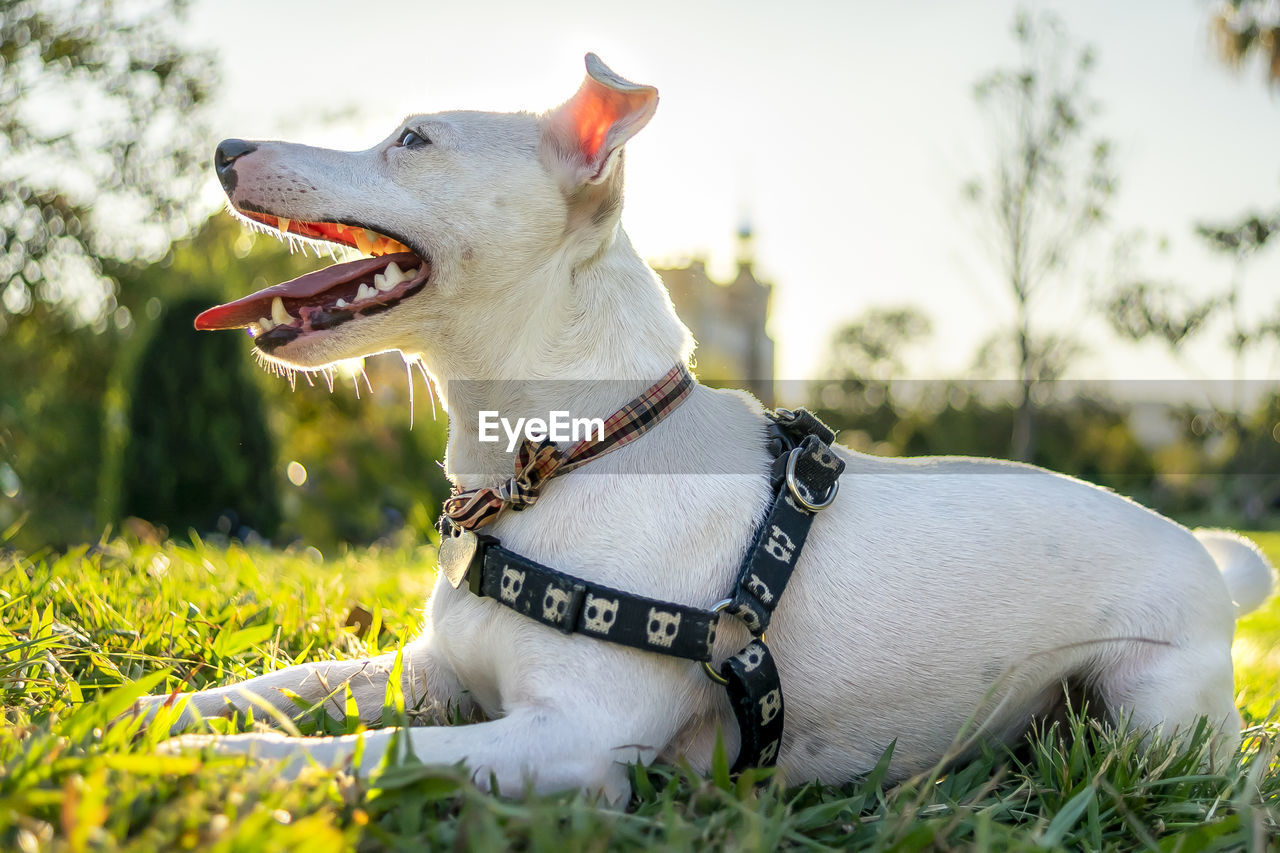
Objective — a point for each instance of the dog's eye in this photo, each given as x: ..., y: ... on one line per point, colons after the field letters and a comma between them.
x: 412, y: 139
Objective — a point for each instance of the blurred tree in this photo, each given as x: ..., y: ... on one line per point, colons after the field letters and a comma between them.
x: 198, y: 454
x: 864, y: 358
x: 100, y: 147
x: 1048, y: 188
x: 1141, y: 310
x: 1252, y: 469
x: 99, y: 119
x: 1241, y: 241
x: 1244, y: 29
x: 871, y: 347
x: 156, y: 396
x: 877, y: 411
x: 1086, y: 436
x: 1225, y: 439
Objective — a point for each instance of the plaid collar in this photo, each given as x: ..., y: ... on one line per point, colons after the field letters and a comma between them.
x: 537, y: 463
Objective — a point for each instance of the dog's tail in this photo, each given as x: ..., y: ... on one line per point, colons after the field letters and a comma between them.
x: 1249, y: 575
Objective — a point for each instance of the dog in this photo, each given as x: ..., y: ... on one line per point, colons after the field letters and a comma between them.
x: 935, y: 597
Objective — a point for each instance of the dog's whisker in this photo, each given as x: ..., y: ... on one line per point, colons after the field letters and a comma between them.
x: 431, y: 388
x: 408, y: 370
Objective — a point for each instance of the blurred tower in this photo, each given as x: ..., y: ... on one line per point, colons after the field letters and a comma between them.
x: 728, y: 320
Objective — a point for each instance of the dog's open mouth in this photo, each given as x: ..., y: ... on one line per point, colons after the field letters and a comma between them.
x: 329, y: 297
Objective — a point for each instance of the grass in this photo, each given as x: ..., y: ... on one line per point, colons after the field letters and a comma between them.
x: 83, y: 633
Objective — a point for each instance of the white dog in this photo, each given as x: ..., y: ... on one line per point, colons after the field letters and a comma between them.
x: 933, y: 590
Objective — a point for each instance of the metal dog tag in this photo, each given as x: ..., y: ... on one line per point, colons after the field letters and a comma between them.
x: 456, y: 554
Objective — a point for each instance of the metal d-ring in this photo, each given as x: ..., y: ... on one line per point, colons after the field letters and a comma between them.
x: 720, y: 607
x: 792, y: 485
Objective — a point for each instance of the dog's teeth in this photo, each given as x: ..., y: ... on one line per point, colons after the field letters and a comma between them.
x: 365, y: 292
x: 266, y: 324
x: 279, y: 316
x: 283, y: 224
x: 380, y: 282
x: 394, y: 275
x: 341, y: 303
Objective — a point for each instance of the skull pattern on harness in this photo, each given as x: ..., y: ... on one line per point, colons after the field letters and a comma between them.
x: 791, y: 502
x: 770, y: 705
x: 749, y: 617
x: 759, y: 589
x: 512, y: 585
x: 554, y: 605
x: 751, y: 657
x: 826, y: 458
x: 780, y: 546
x: 599, y: 614
x: 663, y: 627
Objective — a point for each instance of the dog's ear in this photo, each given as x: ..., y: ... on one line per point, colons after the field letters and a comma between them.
x: 584, y: 134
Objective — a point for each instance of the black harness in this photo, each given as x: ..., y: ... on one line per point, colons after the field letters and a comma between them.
x: 804, y: 477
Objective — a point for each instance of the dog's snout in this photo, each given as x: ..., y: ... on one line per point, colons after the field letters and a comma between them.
x: 224, y: 159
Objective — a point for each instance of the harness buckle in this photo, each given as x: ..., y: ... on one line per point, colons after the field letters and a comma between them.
x: 720, y: 607
x: 801, y: 492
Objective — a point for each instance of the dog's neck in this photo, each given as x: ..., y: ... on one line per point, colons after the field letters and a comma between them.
x: 587, y: 340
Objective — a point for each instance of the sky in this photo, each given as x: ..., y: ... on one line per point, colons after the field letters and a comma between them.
x: 843, y: 132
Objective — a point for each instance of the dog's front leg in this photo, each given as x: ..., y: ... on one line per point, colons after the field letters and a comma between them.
x: 430, y: 689
x: 545, y: 748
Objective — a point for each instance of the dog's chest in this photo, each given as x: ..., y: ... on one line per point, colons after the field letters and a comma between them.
x: 667, y: 538
x: 470, y: 636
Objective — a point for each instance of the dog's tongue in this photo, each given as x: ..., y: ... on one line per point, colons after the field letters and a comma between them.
x: 243, y: 311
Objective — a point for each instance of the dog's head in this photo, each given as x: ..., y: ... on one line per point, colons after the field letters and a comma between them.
x: 457, y: 213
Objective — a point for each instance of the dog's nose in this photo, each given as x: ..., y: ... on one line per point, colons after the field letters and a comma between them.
x: 224, y: 160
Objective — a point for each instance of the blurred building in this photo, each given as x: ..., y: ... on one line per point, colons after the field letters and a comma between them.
x: 728, y: 321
